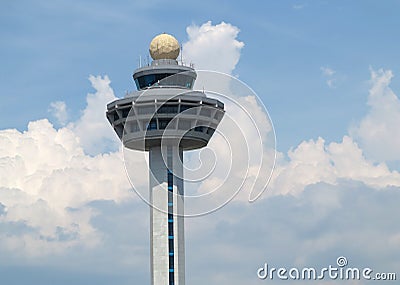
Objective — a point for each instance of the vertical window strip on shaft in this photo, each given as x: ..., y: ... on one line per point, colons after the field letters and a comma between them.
x: 170, y: 184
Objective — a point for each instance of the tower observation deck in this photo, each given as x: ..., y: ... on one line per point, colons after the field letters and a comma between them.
x: 165, y: 117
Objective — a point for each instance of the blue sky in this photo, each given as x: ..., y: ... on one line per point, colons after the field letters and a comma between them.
x: 327, y: 71
x: 51, y: 47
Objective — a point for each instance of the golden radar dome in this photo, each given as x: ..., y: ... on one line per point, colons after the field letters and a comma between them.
x: 164, y: 46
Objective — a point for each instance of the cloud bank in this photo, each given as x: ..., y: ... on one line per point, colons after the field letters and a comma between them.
x: 46, y: 182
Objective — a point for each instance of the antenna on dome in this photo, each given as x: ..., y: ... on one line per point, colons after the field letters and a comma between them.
x: 181, y: 55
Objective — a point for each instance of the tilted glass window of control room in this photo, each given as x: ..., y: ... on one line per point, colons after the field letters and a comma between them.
x: 164, y: 79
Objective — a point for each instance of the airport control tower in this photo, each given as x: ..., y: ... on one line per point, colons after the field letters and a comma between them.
x: 165, y: 117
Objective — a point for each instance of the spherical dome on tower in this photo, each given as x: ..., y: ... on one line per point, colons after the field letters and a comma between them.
x: 164, y: 46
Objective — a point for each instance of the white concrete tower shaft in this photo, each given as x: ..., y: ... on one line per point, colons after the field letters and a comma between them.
x: 166, y: 216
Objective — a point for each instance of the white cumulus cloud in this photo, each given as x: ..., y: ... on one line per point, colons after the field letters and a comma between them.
x: 46, y: 182
x: 314, y: 162
x: 378, y: 132
x: 92, y: 128
x: 59, y: 110
x: 213, y: 47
